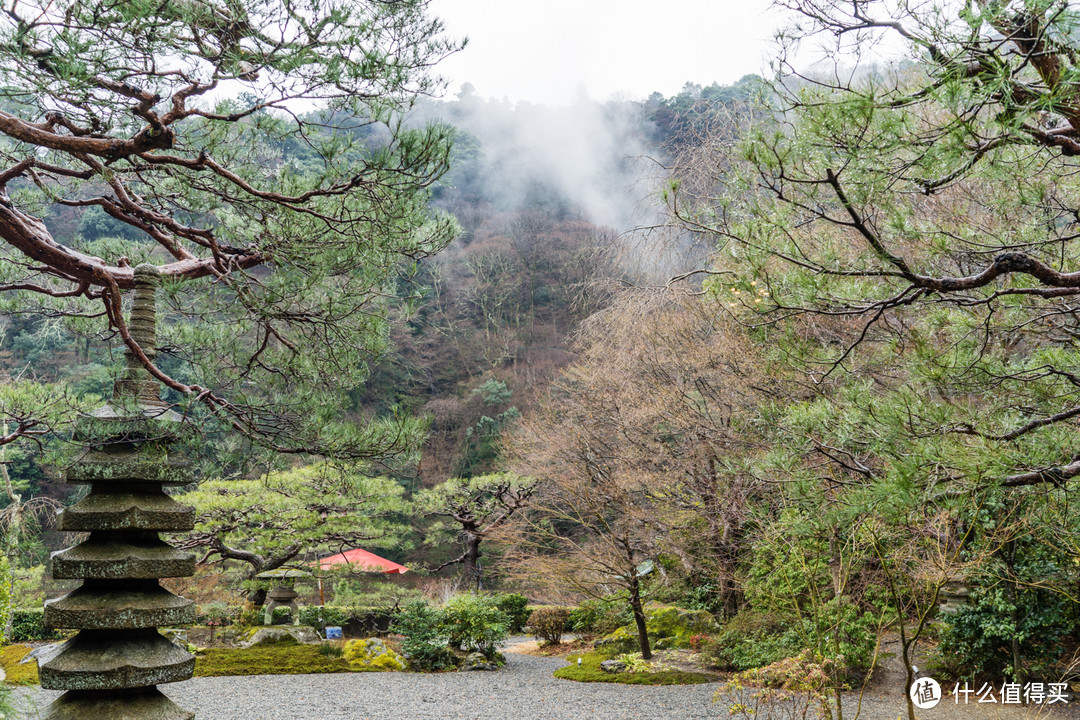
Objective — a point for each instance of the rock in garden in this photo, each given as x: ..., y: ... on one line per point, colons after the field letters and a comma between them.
x: 282, y: 633
x: 36, y: 653
x: 373, y: 653
x: 477, y: 661
x: 613, y: 666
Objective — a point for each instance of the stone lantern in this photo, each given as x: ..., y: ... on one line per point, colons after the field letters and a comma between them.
x: 283, y: 595
x: 112, y: 667
x: 952, y: 596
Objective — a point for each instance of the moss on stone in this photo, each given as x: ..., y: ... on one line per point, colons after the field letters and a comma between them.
x: 373, y: 654
x: 16, y: 673
x: 668, y: 627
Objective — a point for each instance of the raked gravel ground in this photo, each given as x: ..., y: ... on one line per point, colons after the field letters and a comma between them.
x: 523, y: 690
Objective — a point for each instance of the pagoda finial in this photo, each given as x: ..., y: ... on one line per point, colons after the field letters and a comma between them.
x: 137, y: 383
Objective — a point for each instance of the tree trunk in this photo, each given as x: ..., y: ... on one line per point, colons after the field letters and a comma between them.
x: 257, y: 597
x: 909, y: 674
x: 1017, y: 662
x: 472, y: 561
x: 639, y: 619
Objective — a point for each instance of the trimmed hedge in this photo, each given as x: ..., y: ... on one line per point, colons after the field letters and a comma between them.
x: 28, y: 625
x: 355, y: 622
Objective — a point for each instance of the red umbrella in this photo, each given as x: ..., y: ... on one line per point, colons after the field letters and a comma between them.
x: 364, y: 561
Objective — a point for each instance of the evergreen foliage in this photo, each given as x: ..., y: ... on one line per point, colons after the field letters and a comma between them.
x: 268, y: 522
x: 425, y: 643
x: 277, y: 231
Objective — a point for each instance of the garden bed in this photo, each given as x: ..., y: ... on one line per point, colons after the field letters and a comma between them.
x: 589, y: 671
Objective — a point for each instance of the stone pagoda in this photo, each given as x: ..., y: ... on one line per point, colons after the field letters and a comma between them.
x: 111, y: 668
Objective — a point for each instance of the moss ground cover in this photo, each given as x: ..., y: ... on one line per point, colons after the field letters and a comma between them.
x: 274, y: 659
x: 16, y: 674
x: 271, y: 659
x: 589, y: 671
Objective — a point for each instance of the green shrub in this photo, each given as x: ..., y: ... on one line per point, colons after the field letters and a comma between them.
x: 703, y: 596
x: 425, y: 643
x: 978, y: 637
x: 250, y: 617
x: 752, y: 639
x: 29, y: 625
x: 475, y: 623
x: 584, y: 618
x: 843, y: 636
x: 320, y: 616
x: 548, y: 623
x: 516, y: 609
x: 838, y: 633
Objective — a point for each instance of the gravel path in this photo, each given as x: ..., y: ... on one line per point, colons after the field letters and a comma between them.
x: 523, y: 690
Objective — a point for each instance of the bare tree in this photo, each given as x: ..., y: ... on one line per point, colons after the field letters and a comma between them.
x: 643, y: 447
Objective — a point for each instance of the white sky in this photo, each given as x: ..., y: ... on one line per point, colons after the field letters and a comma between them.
x: 549, y: 51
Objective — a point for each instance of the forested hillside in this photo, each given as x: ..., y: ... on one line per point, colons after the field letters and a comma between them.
x: 546, y: 200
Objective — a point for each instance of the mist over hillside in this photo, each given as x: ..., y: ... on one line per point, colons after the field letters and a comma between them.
x: 587, y: 158
x: 597, y: 162
x: 559, y: 206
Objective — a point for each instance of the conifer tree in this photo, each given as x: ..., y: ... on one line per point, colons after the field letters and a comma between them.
x: 255, y: 152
